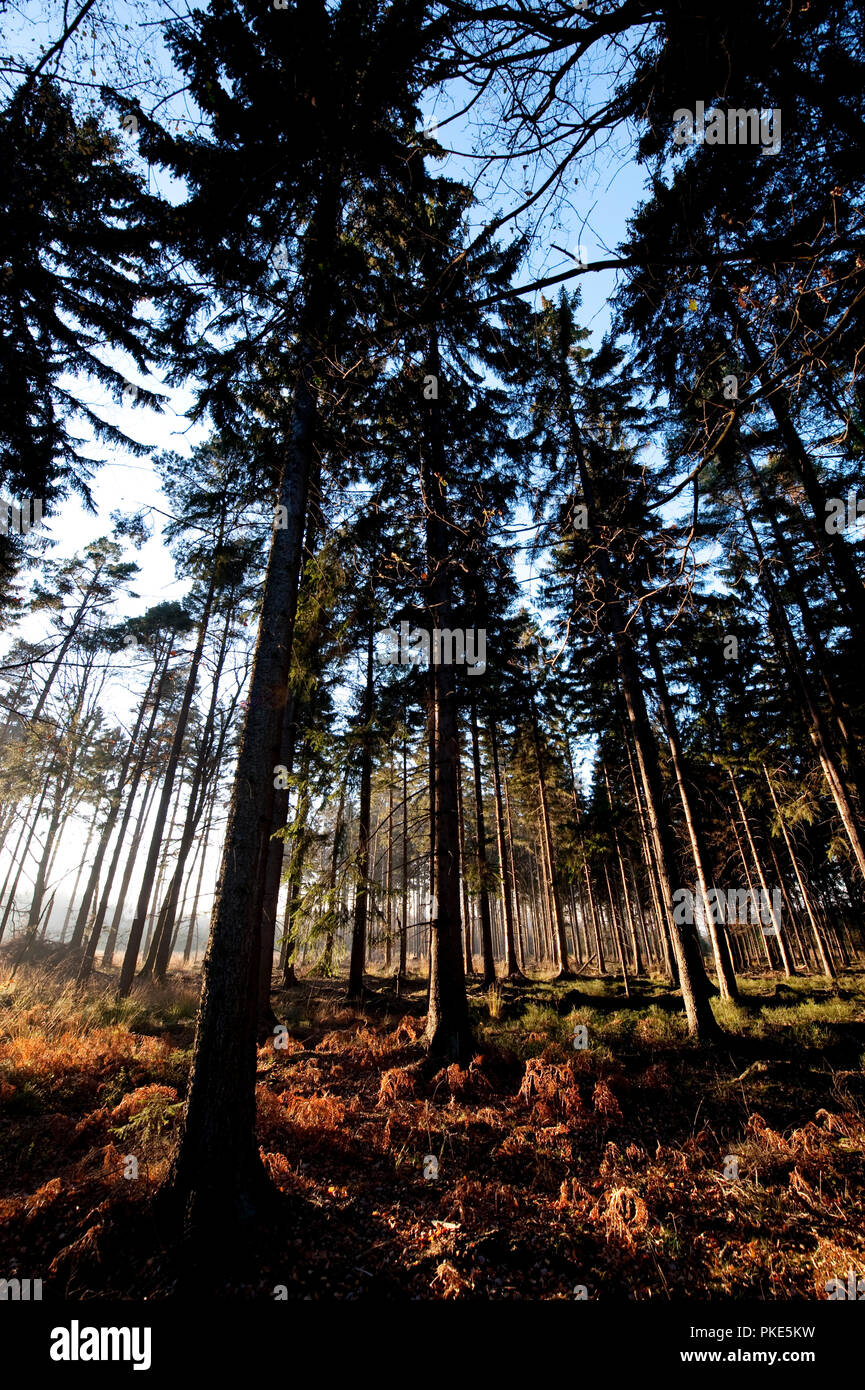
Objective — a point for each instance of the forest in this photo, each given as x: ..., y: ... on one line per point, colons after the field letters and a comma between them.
x: 432, y: 735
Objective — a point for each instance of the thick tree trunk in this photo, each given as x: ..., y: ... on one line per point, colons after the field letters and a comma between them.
x: 448, y: 1034
x: 216, y: 1176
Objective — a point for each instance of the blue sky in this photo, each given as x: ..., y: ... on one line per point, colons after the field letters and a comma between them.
x: 590, y: 220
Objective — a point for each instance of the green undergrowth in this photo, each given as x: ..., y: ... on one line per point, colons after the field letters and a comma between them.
x: 806, y: 1013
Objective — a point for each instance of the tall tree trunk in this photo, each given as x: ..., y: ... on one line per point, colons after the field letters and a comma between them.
x: 776, y: 921
x: 137, y: 836
x: 518, y: 917
x: 617, y: 935
x: 112, y: 817
x: 553, y: 895
x: 467, y: 915
x: 849, y: 585
x: 449, y: 1034
x: 205, y: 842
x: 403, y: 926
x: 512, y: 968
x: 593, y: 918
x: 216, y: 1175
x: 626, y: 905
x: 150, y: 939
x: 818, y: 728
x: 74, y: 626
x: 91, y: 829
x: 841, y: 714
x: 431, y: 749
x: 693, y: 981
x: 664, y: 948
x: 825, y: 959
x: 481, y: 853
x: 717, y: 935
x: 62, y: 775
x: 27, y: 830
x: 333, y: 901
x: 160, y: 673
x: 372, y: 905
x: 764, y: 940
x: 361, y: 900
x: 388, y: 908
x: 545, y: 907
x: 130, y: 959
x: 158, y: 962
x: 297, y: 864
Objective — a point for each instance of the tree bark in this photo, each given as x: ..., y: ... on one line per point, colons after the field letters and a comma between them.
x: 717, y: 935
x: 130, y: 959
x: 448, y: 1034
x: 361, y: 900
x: 108, y: 829
x: 849, y: 583
x: 158, y: 961
x: 137, y: 836
x: 216, y: 1176
x: 822, y: 951
x: 779, y: 932
x: 512, y: 968
x: 481, y: 854
x: 693, y: 981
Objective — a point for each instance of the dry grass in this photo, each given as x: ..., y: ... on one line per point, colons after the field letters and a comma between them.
x: 556, y: 1166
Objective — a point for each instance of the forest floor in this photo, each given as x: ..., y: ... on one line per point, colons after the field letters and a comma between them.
x: 539, y: 1169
